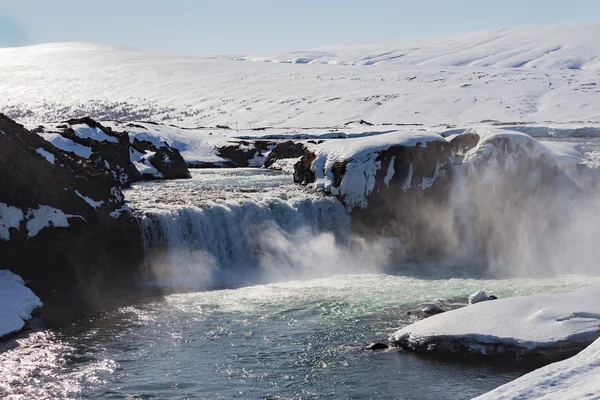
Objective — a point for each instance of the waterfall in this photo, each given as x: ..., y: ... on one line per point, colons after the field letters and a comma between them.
x: 249, y: 241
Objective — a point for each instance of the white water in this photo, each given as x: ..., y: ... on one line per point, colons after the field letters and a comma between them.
x: 226, y: 227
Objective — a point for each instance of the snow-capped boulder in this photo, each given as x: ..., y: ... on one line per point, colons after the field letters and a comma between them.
x: 480, y: 296
x: 244, y: 153
x: 63, y: 220
x: 540, y: 328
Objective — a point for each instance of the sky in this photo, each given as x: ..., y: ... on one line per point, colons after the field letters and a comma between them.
x: 258, y: 26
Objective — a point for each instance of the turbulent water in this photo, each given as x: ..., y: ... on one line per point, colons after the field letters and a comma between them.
x: 279, y: 298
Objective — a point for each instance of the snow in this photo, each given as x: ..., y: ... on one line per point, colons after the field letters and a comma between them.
x: 10, y: 217
x: 574, y: 378
x: 88, y: 200
x: 564, y: 154
x: 361, y: 154
x: 87, y: 132
x: 44, y: 217
x: 67, y: 144
x: 117, y: 213
x: 18, y: 302
x: 540, y: 47
x: 47, y: 155
x: 526, y: 322
x: 478, y: 297
x: 543, y: 74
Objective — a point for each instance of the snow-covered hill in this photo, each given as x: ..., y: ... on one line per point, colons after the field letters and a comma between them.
x: 460, y: 79
x: 570, y: 46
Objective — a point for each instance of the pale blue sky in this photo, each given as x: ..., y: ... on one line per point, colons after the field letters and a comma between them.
x: 250, y: 26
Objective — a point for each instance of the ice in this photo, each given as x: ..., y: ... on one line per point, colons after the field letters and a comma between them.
x: 574, y: 378
x: 18, y: 302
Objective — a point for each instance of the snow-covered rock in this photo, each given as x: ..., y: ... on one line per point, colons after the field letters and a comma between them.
x: 56, y: 224
x: 478, y: 297
x: 549, y: 327
x: 574, y: 378
x: 18, y: 302
x: 127, y: 158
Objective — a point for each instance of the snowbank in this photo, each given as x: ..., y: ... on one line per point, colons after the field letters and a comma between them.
x: 574, y: 378
x: 18, y: 302
x: 521, y: 325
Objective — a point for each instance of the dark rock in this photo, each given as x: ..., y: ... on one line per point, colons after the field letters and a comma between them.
x: 239, y: 154
x: 283, y: 150
x: 169, y: 163
x: 83, y: 237
x: 464, y: 142
x: 302, y: 172
x: 377, y: 346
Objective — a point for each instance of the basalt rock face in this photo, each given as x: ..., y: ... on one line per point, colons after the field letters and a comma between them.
x: 63, y: 218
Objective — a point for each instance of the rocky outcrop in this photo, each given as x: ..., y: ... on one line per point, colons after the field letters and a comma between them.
x: 480, y: 195
x: 245, y: 153
x: 63, y: 219
x: 285, y: 150
x: 129, y: 161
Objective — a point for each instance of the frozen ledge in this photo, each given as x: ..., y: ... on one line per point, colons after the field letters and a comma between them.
x: 544, y: 327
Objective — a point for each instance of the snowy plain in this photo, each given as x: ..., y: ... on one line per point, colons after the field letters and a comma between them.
x: 531, y: 74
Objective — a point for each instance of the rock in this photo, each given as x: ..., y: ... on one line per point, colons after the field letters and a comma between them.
x: 377, y: 346
x: 63, y: 219
x: 478, y: 297
x: 283, y: 150
x: 425, y: 310
x: 245, y: 153
x: 128, y: 161
x: 169, y: 163
x: 302, y: 169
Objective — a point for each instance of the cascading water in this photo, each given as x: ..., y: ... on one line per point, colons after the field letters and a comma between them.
x: 223, y: 234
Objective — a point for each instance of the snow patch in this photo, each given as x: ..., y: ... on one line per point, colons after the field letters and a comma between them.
x: 10, y: 217
x: 88, y: 200
x: 67, y: 144
x: 47, y: 155
x: 44, y: 217
x: 86, y: 132
x: 18, y: 302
